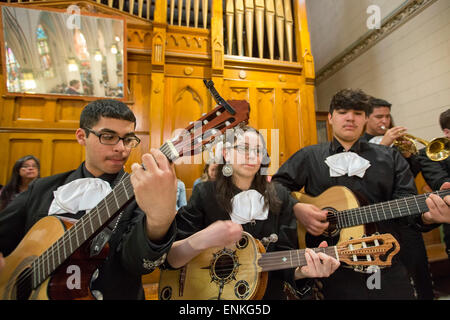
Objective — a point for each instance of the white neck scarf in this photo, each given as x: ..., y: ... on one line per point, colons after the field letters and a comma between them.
x: 376, y: 139
x: 347, y: 163
x: 248, y: 206
x: 78, y: 195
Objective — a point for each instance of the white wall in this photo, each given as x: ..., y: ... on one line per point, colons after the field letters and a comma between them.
x: 335, y: 24
x: 410, y: 68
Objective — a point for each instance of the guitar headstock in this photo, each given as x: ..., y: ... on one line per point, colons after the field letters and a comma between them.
x: 375, y: 250
x: 208, y: 128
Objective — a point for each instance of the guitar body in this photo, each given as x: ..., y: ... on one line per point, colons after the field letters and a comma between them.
x: 230, y: 273
x: 69, y: 281
x: 334, y: 199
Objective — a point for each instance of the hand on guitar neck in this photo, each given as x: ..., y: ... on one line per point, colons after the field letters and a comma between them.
x: 159, y: 207
x: 439, y: 208
x: 320, y: 265
x: 311, y: 217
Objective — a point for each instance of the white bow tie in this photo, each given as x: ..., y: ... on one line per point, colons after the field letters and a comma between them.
x: 248, y: 206
x: 78, y: 195
x: 347, y: 163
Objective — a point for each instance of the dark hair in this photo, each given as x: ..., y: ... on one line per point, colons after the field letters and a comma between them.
x: 205, y: 175
x: 376, y: 103
x: 73, y: 82
x: 444, y: 119
x: 13, y: 185
x: 349, y: 99
x: 225, y: 186
x: 107, y: 108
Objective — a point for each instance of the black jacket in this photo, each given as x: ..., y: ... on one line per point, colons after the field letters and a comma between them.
x: 120, y: 274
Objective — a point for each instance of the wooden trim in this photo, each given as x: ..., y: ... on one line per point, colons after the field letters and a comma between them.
x: 323, y: 116
x: 49, y: 130
x: 257, y: 64
x: 50, y: 96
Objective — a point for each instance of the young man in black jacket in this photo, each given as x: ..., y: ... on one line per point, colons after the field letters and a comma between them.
x: 378, y: 172
x: 381, y: 130
x: 436, y: 173
x: 141, y: 235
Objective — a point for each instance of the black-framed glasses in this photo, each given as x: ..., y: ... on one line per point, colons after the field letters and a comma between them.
x: 244, y: 149
x: 111, y: 139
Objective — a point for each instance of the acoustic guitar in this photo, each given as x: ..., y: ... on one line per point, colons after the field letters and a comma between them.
x: 239, y: 272
x: 348, y: 220
x: 54, y: 249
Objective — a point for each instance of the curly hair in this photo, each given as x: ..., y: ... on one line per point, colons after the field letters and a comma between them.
x: 348, y: 99
x: 108, y: 108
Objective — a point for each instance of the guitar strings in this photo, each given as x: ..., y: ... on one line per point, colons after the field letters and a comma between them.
x: 274, y: 259
x: 78, y: 226
x: 72, y: 234
x: 352, y: 214
x: 67, y: 237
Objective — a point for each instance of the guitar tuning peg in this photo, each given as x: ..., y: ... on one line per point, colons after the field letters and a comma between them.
x: 203, y: 114
x: 218, y: 113
x: 191, y: 122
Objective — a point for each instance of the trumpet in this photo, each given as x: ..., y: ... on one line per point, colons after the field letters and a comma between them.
x: 437, y: 149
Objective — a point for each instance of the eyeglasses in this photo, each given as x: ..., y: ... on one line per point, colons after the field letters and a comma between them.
x: 29, y: 166
x: 112, y: 139
x: 242, y: 149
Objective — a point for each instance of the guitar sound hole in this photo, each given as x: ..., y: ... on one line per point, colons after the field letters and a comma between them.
x: 23, y: 285
x: 223, y: 267
x: 242, y: 244
x: 242, y: 289
x: 166, y: 293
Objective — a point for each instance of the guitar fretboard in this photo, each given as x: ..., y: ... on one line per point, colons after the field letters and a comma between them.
x: 86, y: 227
x: 386, y: 210
x: 290, y: 258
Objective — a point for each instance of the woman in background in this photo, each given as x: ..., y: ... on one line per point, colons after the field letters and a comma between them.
x: 25, y: 170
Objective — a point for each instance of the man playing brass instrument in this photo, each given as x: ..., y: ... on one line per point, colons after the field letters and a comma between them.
x: 381, y: 130
x: 413, y: 253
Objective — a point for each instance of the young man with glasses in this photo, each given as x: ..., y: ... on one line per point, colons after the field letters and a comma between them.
x: 141, y: 235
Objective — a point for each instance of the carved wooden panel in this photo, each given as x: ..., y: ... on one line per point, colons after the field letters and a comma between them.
x: 57, y: 151
x: 67, y: 155
x: 187, y: 99
x: 290, y: 117
x: 29, y: 109
x: 68, y: 111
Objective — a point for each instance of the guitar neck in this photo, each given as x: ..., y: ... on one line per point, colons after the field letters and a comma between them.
x: 382, y: 211
x: 86, y: 228
x: 288, y: 259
